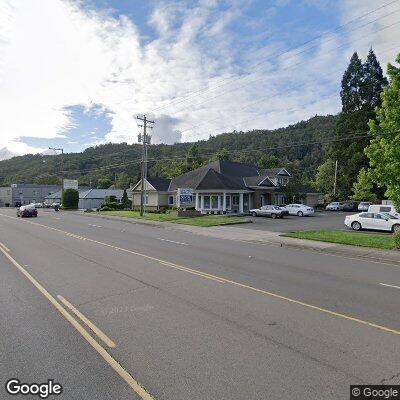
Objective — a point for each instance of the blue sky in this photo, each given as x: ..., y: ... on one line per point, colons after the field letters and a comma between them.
x: 196, y: 67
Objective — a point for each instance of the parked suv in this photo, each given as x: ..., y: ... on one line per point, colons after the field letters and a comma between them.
x: 383, y: 208
x: 350, y: 206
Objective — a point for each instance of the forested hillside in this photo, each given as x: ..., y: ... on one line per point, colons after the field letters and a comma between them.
x: 107, y: 163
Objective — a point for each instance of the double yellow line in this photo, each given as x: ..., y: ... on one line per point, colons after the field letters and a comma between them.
x: 135, y: 385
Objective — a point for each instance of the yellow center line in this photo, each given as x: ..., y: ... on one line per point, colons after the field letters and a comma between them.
x: 224, y: 280
x: 89, y: 323
x: 135, y: 385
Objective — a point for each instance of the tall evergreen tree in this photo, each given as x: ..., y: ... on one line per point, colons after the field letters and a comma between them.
x: 374, y: 81
x: 362, y: 85
x: 352, y: 80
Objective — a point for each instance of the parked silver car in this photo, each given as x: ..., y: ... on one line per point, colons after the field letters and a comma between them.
x: 268, y: 211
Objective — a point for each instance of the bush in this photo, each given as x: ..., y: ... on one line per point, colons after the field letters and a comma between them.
x: 105, y: 208
x: 110, y: 199
x: 112, y: 206
x: 88, y: 210
x: 396, y: 239
x: 70, y: 199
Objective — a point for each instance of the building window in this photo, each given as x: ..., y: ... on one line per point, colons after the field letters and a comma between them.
x: 235, y: 200
x: 170, y: 200
x: 206, y: 201
x: 228, y: 202
x: 146, y: 199
x: 214, y: 202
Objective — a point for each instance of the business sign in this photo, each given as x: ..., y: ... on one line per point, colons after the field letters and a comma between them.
x: 70, y: 184
x: 185, y: 197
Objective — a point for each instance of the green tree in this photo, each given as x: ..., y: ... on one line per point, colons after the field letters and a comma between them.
x: 104, y: 183
x: 373, y: 81
x: 193, y: 158
x: 324, y: 178
x: 125, y: 200
x: 47, y: 179
x: 384, y: 150
x: 223, y: 155
x: 70, y: 199
x: 363, y: 188
x: 268, y: 161
x: 361, y: 88
x: 123, y: 181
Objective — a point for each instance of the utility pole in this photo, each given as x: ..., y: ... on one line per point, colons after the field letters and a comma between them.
x: 62, y: 166
x: 335, y: 181
x: 145, y: 139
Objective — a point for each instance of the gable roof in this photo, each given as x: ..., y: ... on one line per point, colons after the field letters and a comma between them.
x: 160, y: 184
x: 261, y: 180
x: 273, y: 172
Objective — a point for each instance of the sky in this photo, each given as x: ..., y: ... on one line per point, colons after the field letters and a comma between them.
x: 76, y: 73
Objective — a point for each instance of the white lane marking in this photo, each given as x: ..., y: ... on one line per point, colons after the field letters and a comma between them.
x: 392, y: 286
x: 4, y: 247
x: 96, y: 226
x: 172, y: 241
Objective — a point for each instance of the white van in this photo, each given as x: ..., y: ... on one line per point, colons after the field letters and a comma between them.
x: 383, y: 208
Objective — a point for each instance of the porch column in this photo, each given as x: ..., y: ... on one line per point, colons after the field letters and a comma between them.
x: 219, y: 202
x: 224, y: 202
x: 197, y: 201
x: 241, y: 203
x: 201, y: 203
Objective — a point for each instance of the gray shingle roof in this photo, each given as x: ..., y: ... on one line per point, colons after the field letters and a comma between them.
x: 160, y: 184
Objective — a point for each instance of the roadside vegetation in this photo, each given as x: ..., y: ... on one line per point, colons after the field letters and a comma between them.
x: 373, y: 240
x: 205, y: 221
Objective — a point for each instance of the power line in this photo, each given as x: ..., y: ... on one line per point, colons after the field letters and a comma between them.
x: 283, y: 69
x: 230, y: 79
x: 233, y: 152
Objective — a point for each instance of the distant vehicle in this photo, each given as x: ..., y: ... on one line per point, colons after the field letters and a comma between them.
x: 300, y: 210
x: 383, y: 208
x: 334, y: 206
x: 55, y: 204
x: 350, y: 206
x: 364, y: 205
x: 27, y: 211
x: 18, y: 204
x: 268, y: 211
x: 375, y: 221
x: 38, y: 205
x: 47, y: 204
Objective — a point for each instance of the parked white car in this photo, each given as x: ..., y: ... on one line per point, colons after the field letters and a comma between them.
x: 299, y: 209
x: 376, y: 221
x: 383, y: 208
x: 364, y: 205
x: 334, y: 206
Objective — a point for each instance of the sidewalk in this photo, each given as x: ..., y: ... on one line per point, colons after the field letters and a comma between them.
x: 273, y: 239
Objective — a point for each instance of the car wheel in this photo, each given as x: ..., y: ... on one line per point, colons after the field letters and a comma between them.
x: 273, y: 216
x: 300, y: 214
x: 254, y: 214
x: 356, y: 226
x: 395, y: 228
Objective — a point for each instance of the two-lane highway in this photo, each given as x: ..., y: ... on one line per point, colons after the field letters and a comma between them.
x: 191, y: 316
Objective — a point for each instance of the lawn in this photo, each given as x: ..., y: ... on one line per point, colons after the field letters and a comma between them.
x: 351, y: 238
x: 209, y: 220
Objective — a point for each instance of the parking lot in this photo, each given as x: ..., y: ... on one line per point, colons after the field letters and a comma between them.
x: 320, y: 220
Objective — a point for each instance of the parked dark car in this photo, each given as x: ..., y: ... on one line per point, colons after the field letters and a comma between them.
x: 350, y: 207
x: 27, y: 211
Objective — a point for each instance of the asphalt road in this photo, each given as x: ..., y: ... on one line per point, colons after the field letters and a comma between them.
x: 188, y: 317
x: 291, y: 223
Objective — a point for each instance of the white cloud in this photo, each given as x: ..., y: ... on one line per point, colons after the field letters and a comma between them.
x: 55, y: 54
